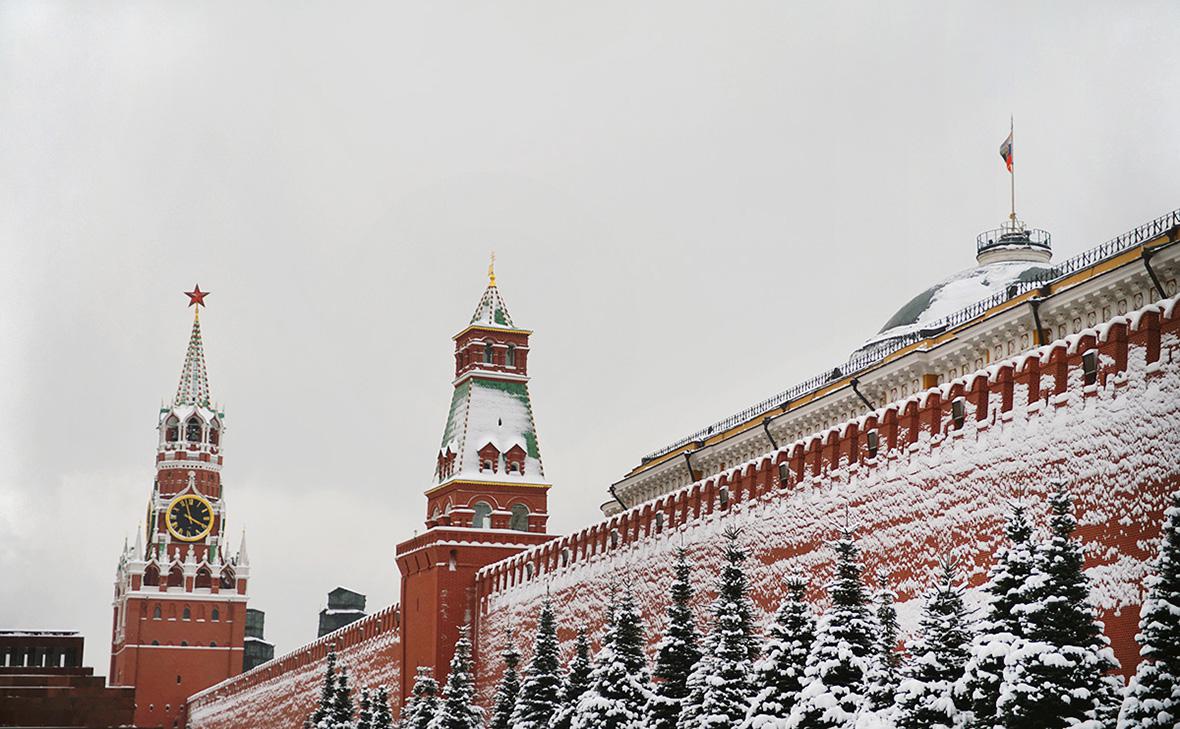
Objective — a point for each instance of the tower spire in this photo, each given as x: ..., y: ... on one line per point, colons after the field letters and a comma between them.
x: 194, y: 383
x: 491, y: 310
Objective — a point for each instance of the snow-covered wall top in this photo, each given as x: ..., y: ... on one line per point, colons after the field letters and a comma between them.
x: 281, y: 693
x: 938, y: 485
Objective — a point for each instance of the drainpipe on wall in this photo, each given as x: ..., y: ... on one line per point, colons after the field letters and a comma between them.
x: 688, y: 461
x: 616, y: 496
x: 766, y: 427
x: 856, y: 388
x: 1147, y: 253
x: 1035, y: 304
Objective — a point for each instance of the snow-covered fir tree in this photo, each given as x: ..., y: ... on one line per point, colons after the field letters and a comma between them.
x: 327, y: 691
x: 833, y: 694
x: 382, y: 716
x: 420, y: 708
x: 719, y: 688
x: 677, y: 653
x: 1152, y: 700
x: 885, y: 665
x: 364, y: 717
x: 1061, y: 674
x: 925, y: 696
x: 619, y: 683
x: 1001, y: 630
x: 509, y: 688
x: 340, y: 708
x: 576, y: 682
x: 540, y: 695
x: 778, y: 675
x: 457, y: 709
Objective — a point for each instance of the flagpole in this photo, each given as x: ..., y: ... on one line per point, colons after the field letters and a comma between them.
x: 1012, y: 172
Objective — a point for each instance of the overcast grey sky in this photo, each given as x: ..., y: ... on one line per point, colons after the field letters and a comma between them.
x: 694, y: 205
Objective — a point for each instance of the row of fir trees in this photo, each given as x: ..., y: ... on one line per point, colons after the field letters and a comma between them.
x: 1033, y: 657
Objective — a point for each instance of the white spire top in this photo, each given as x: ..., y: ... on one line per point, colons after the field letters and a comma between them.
x: 243, y: 558
x: 139, y: 544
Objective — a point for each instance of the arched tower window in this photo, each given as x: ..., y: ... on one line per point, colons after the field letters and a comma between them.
x: 215, y: 433
x: 151, y: 576
x: 511, y: 360
x: 520, y: 518
x: 204, y: 578
x: 227, y: 579
x: 156, y: 615
x: 215, y: 615
x: 175, y: 577
x: 487, y: 353
x: 482, y: 518
x: 192, y: 430
x: 172, y: 430
x: 186, y: 614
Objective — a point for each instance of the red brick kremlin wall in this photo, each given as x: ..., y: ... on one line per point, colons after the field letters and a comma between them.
x: 282, y: 692
x: 936, y: 487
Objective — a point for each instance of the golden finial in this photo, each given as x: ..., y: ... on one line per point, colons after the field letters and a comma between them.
x: 492, y: 270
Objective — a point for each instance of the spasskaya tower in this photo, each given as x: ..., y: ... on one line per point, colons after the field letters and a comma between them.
x: 180, y: 594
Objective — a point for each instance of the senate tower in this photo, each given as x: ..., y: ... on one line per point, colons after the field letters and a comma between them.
x: 180, y: 593
x: 489, y: 497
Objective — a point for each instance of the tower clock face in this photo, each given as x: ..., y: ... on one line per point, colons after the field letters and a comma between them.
x: 190, y: 518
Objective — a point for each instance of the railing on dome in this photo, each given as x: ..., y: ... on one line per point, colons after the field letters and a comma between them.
x: 866, y: 358
x: 1012, y: 234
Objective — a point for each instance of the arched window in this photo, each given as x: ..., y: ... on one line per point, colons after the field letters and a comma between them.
x: 520, y: 518
x: 151, y: 576
x: 204, y: 578
x: 175, y: 577
x: 487, y: 353
x: 192, y: 430
x: 216, y: 615
x: 215, y: 433
x: 227, y: 579
x: 156, y: 614
x: 184, y: 642
x: 212, y: 644
x: 511, y: 360
x: 172, y: 430
x: 482, y: 518
x: 186, y: 614
x: 155, y: 642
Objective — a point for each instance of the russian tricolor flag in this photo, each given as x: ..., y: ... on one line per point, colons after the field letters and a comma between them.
x: 1006, y: 151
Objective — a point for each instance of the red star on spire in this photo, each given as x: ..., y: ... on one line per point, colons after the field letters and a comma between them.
x: 196, y: 296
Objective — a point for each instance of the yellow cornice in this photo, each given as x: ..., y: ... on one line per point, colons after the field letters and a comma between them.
x: 485, y: 328
x: 470, y: 482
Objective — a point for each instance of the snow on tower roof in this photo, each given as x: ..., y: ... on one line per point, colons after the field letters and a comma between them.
x: 491, y: 311
x: 194, y: 383
x: 487, y: 411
